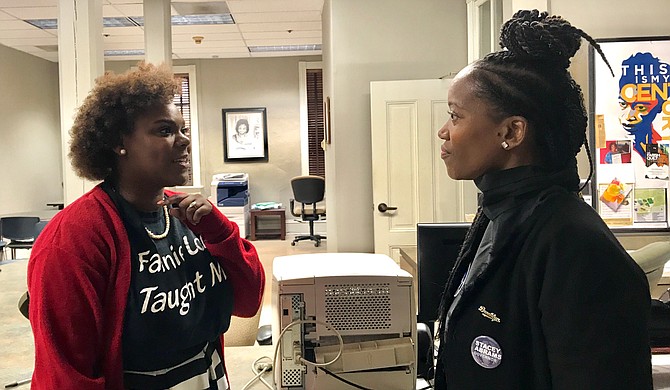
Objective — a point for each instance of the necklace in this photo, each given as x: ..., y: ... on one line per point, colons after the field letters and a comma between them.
x: 167, y: 227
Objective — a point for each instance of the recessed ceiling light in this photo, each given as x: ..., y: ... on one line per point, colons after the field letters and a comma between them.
x: 44, y: 24
x: 258, y: 49
x: 192, y: 20
x: 122, y: 21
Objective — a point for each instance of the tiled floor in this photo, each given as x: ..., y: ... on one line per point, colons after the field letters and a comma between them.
x: 16, y: 342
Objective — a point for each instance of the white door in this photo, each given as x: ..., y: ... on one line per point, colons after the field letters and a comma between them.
x: 408, y: 177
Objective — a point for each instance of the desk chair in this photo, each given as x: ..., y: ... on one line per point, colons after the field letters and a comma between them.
x: 20, y: 231
x: 307, y: 191
x: 652, y: 258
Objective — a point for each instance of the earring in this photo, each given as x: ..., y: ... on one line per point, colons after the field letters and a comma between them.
x: 504, y: 145
x: 122, y: 152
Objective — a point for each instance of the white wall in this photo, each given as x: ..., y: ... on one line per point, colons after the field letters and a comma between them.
x: 367, y: 41
x: 30, y: 143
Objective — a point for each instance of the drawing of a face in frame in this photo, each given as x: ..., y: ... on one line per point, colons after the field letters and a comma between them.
x: 641, y: 97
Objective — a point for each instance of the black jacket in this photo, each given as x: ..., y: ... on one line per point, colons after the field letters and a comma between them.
x: 563, y: 301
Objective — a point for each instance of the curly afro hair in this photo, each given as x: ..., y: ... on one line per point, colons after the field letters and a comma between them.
x: 110, y: 111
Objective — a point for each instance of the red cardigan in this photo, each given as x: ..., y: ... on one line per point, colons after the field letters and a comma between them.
x: 78, y: 280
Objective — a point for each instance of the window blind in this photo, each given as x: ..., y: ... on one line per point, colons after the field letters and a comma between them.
x: 183, y: 102
x: 317, y: 163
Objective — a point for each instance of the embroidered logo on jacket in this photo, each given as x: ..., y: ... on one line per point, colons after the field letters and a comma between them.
x: 491, y: 316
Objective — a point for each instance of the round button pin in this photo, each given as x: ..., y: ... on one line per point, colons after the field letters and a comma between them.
x: 486, y: 352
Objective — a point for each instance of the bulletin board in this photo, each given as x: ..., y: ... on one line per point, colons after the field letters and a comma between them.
x: 630, y: 132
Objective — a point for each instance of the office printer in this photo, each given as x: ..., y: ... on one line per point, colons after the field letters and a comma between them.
x: 230, y: 189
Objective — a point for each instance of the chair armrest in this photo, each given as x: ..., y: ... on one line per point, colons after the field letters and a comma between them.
x: 292, y: 206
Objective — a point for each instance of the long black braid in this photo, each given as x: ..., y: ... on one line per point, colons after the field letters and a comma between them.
x: 530, y: 78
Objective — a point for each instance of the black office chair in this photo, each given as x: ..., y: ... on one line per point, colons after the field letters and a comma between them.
x: 307, y: 191
x: 20, y: 231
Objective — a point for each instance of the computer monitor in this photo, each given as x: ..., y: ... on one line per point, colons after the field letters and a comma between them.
x: 438, y: 245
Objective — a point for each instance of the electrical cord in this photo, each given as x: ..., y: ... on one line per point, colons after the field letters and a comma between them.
x: 266, y: 367
x: 300, y: 358
x: 339, y: 378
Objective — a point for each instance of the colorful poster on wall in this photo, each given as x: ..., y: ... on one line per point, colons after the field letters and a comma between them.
x: 630, y: 126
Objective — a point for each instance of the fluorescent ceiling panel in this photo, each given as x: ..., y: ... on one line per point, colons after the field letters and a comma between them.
x: 259, y: 49
x: 177, y: 20
x: 133, y: 52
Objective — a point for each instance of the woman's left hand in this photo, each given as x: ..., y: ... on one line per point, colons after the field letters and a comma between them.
x: 188, y: 207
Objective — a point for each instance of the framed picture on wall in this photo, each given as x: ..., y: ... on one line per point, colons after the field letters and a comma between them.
x: 245, y: 134
x: 630, y: 131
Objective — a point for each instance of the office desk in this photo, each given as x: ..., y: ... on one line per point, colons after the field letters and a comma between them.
x: 258, y: 214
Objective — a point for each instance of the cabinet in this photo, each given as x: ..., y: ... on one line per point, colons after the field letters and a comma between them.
x: 257, y: 214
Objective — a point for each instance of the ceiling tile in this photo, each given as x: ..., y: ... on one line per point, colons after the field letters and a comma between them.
x: 5, y: 16
x: 35, y: 33
x: 282, y: 42
x: 259, y: 22
x: 33, y: 12
x: 28, y: 49
x: 274, y: 5
x: 133, y: 30
x: 11, y: 42
x: 212, y: 51
x: 28, y: 3
x: 205, y: 28
x: 208, y: 37
x: 282, y: 35
x: 123, y: 45
x: 123, y: 1
x: 284, y: 26
x: 111, y: 11
x: 15, y: 25
x: 275, y: 17
x: 208, y: 44
x: 213, y: 55
x: 130, y: 9
x: 124, y: 39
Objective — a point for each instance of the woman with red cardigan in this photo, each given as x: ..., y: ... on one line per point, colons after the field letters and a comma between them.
x: 132, y: 286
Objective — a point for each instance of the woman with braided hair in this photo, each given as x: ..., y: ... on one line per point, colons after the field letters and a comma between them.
x: 542, y: 295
